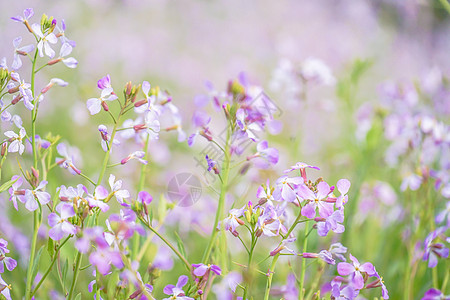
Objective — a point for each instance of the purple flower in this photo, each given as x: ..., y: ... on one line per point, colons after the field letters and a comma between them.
x: 343, y: 185
x: 340, y: 292
x: 201, y: 120
x: 62, y: 34
x: 265, y: 156
x: 103, y: 257
x: 15, y: 139
x: 286, y: 187
x: 283, y: 247
x: 95, y: 200
x: 52, y: 82
x: 4, y: 289
x: 324, y: 225
x: 23, y: 88
x: 31, y: 195
x: 379, y: 283
x: 27, y: 14
x: 60, y: 225
x: 139, y: 155
x: 337, y: 250
x: 65, y: 50
x: 202, y: 269
x: 247, y: 127
x: 94, y: 105
x: 9, y: 262
x: 116, y: 189
x: 269, y: 222
x: 17, y: 62
x: 434, y: 250
x: 300, y: 166
x: 144, y: 197
x: 150, y: 100
x: 177, y: 291
x: 324, y: 255
x: 267, y: 193
x: 434, y: 294
x: 232, y: 221
x: 67, y: 159
x: 15, y: 193
x: 354, y: 270
x: 316, y: 199
x: 104, y: 83
x: 44, y: 41
x: 290, y: 291
x: 212, y: 165
x: 444, y: 214
x: 126, y: 226
x: 412, y: 182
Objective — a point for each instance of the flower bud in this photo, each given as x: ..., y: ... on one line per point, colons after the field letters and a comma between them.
x: 16, y: 99
x: 128, y: 88
x: 54, y: 61
x: 4, y: 149
x: 140, y: 102
x: 105, y: 106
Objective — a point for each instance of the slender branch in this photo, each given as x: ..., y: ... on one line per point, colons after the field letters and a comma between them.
x: 50, y: 267
x: 75, y: 275
x: 180, y: 256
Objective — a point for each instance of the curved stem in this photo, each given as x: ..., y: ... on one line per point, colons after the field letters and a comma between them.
x: 269, y: 278
x: 180, y: 256
x: 49, y: 267
x: 136, y: 237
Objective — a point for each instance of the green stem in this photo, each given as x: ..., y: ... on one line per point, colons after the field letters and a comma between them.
x: 136, y: 237
x: 32, y: 255
x: 108, y: 153
x: 180, y: 256
x: 269, y: 278
x: 302, y: 276
x: 50, y: 267
x: 76, y: 271
x: 36, y: 216
x: 446, y: 5
x: 250, y: 257
x: 223, y: 191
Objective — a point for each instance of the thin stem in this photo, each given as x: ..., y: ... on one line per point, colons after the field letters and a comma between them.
x: 108, y: 153
x: 305, y: 249
x: 269, y: 278
x: 87, y: 178
x: 50, y: 267
x: 136, y: 238
x: 250, y: 257
x: 32, y: 255
x: 36, y: 214
x: 180, y: 256
x: 223, y: 191
x: 75, y: 275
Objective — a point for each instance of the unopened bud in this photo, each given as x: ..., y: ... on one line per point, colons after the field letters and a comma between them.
x: 128, y: 88
x: 140, y: 102
x: 35, y: 173
x: 259, y: 232
x: 13, y: 90
x: 54, y: 61
x: 4, y: 148
x: 16, y: 99
x: 105, y: 106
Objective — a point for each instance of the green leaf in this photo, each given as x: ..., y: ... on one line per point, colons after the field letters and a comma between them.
x: 112, y: 283
x: 50, y: 248
x: 78, y: 297
x: 64, y: 270
x: 180, y: 245
x: 7, y: 185
x: 36, y: 261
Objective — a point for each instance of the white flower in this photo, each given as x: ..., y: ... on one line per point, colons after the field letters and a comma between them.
x: 16, y: 143
x: 45, y: 41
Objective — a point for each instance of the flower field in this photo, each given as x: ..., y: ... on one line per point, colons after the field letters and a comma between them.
x: 225, y: 150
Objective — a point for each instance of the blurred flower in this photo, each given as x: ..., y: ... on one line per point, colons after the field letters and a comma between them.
x: 15, y: 193
x: 201, y: 269
x: 434, y: 250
